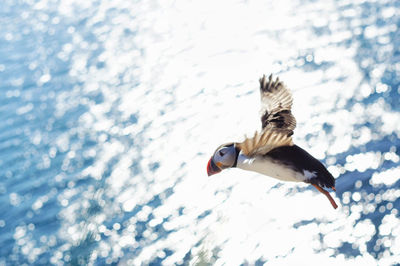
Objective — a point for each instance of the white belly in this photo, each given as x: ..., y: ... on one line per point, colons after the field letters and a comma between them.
x: 268, y: 167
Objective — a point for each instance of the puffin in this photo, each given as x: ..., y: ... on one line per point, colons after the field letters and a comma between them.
x: 271, y: 151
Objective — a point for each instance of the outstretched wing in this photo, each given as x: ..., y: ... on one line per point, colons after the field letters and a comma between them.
x: 277, y: 120
x: 276, y: 104
x: 264, y: 142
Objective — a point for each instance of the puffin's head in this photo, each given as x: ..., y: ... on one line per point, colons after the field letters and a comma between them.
x: 224, y: 157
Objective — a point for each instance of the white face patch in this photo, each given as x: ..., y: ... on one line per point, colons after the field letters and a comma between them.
x: 225, y: 157
x: 308, y: 175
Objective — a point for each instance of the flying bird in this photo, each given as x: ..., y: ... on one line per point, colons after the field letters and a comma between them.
x: 271, y: 151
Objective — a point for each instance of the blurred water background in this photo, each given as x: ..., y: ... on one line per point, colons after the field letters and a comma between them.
x: 110, y: 110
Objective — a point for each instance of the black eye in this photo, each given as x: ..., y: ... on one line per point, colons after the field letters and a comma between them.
x: 221, y: 153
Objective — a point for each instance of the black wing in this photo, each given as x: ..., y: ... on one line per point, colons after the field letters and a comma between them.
x: 276, y: 104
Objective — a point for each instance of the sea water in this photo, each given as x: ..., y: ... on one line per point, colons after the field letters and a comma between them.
x: 110, y: 110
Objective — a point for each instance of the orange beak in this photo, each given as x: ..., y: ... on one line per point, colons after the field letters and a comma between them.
x: 212, y: 168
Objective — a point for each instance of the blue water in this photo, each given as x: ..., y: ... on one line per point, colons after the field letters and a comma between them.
x: 110, y: 110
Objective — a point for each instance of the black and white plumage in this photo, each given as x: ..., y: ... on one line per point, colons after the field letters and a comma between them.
x: 272, y: 152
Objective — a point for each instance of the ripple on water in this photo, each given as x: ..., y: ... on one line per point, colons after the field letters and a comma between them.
x: 110, y: 110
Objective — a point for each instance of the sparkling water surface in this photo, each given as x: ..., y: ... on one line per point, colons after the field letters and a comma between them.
x: 110, y: 111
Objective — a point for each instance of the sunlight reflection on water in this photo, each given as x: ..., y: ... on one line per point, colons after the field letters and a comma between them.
x: 112, y: 108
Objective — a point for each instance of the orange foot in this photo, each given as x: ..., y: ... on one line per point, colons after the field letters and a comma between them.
x: 326, y: 193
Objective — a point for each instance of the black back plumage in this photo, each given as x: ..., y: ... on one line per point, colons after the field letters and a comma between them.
x: 300, y: 160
